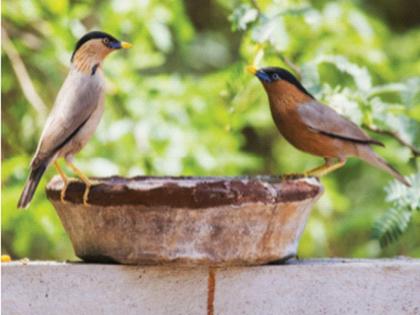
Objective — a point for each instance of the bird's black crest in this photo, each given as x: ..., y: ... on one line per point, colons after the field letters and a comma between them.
x: 88, y: 37
x: 287, y: 76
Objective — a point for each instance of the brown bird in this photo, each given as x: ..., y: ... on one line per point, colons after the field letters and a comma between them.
x: 315, y: 128
x: 76, y: 113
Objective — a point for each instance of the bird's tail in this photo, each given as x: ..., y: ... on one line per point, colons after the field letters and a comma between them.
x: 31, y: 185
x: 368, y: 155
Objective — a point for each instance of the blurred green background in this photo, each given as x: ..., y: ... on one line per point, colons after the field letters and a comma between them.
x: 180, y: 103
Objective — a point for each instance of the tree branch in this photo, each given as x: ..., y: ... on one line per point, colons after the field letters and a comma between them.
x: 22, y: 76
x: 415, y: 152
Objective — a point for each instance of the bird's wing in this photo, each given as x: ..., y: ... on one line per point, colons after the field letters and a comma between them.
x: 75, y: 102
x: 325, y: 120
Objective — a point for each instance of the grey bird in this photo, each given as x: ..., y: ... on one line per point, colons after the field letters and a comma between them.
x: 76, y: 113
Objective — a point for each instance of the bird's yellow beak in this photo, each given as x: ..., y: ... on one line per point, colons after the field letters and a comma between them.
x: 251, y: 69
x: 126, y: 45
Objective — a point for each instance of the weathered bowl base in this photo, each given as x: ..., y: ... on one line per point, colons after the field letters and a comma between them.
x: 187, y: 221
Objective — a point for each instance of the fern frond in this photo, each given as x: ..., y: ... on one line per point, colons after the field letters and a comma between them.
x: 405, y: 197
x: 392, y: 224
x: 405, y: 201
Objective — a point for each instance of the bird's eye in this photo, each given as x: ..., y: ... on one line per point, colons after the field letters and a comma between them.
x: 105, y: 41
x: 276, y: 76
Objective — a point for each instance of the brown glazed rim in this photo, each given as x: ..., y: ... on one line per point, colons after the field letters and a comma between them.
x: 188, y: 192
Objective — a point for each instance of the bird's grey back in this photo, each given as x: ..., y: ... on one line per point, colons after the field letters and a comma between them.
x: 76, y: 101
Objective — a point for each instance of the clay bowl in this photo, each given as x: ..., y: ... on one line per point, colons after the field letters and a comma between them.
x: 215, y: 221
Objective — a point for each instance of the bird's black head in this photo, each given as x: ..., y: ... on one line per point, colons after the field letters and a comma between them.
x: 274, y: 74
x: 108, y: 41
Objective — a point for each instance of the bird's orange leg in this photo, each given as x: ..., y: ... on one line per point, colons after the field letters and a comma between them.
x: 328, y: 167
x: 64, y: 179
x: 84, y: 179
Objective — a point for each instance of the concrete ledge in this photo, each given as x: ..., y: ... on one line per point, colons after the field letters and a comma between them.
x: 333, y: 286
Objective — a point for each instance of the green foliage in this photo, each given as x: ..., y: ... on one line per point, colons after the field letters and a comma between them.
x: 179, y: 103
x: 242, y: 16
x: 405, y: 201
x: 387, y: 107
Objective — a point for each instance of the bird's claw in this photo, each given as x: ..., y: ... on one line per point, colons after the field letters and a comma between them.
x: 64, y: 190
x: 86, y: 195
x: 88, y: 187
x: 63, y: 194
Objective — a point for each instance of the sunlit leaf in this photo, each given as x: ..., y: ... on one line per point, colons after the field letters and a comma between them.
x: 360, y: 74
x: 242, y: 16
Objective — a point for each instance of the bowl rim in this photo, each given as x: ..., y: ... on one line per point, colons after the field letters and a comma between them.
x: 188, y: 191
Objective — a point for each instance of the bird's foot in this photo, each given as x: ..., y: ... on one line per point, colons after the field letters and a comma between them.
x: 88, y: 186
x: 84, y: 179
x: 65, y: 187
x: 86, y: 195
x: 292, y: 176
x: 325, y: 169
x: 65, y: 180
x: 63, y: 194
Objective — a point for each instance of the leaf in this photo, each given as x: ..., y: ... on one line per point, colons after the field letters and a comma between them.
x: 408, y: 95
x: 383, y: 116
x: 392, y: 224
x: 310, y: 77
x: 387, y: 88
x: 57, y: 7
x: 403, y: 196
x: 296, y: 11
x: 395, y: 221
x: 258, y: 57
x: 161, y: 36
x: 359, y: 74
x: 272, y: 31
x: 345, y: 106
x: 242, y: 16
x: 263, y: 30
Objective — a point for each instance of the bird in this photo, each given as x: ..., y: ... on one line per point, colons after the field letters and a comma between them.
x: 76, y: 113
x: 315, y: 128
